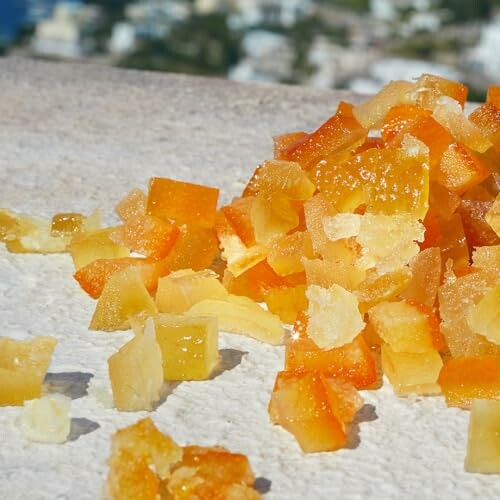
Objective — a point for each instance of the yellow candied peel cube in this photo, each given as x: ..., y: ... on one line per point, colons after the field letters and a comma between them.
x: 286, y: 302
x: 402, y: 325
x: 492, y: 216
x: 484, y: 317
x: 123, y: 296
x: 483, y: 444
x: 334, y: 317
x: 136, y: 373
x: 181, y: 289
x: 243, y: 316
x: 46, y: 420
x: 412, y: 372
x: 189, y: 346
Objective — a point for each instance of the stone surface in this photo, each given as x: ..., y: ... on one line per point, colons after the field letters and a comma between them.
x: 75, y: 138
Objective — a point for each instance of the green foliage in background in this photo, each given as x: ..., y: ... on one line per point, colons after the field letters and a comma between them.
x: 468, y: 10
x: 357, y: 5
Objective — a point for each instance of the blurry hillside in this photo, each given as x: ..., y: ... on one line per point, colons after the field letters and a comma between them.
x: 357, y: 44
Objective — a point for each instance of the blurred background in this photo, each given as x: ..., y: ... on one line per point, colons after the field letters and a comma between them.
x: 355, y: 44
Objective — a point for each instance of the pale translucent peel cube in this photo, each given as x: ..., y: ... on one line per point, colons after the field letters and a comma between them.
x: 136, y: 373
x: 484, y: 317
x: 492, y: 216
x: 189, y: 346
x: 483, y: 444
x: 46, y: 420
x: 334, y: 317
x: 412, y: 372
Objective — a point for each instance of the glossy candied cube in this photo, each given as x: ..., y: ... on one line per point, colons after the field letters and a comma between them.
x: 334, y: 317
x: 241, y: 315
x: 286, y: 302
x: 273, y: 217
x: 430, y: 88
x: 280, y: 176
x: 123, y: 295
x: 94, y: 276
x: 377, y: 288
x: 340, y: 132
x: 487, y: 118
x: 132, y: 205
x: 464, y: 379
x: 492, y: 216
x: 353, y: 362
x: 406, y: 327
x: 147, y: 235
x: 453, y: 242
x: 487, y: 258
x: 238, y: 256
x: 425, y: 277
x: 196, y: 248
x: 460, y: 169
x: 412, y: 372
x: 23, y: 365
x: 140, y: 456
x: 493, y: 95
x: 212, y: 473
x: 136, y: 373
x: 456, y: 297
x: 286, y: 253
x: 238, y: 214
x: 483, y: 444
x: 63, y: 224
x: 400, y: 119
x: 182, y: 202
x: 476, y: 228
x: 483, y: 318
x: 372, y: 112
x: 189, y: 346
x: 301, y: 405
x: 315, y: 210
x: 285, y: 141
x: 178, y: 291
x: 442, y: 201
x: 449, y: 114
x: 92, y: 245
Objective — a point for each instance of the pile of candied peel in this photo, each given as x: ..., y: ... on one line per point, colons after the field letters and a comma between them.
x: 377, y: 236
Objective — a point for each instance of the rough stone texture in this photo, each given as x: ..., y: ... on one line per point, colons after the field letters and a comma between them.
x: 79, y: 137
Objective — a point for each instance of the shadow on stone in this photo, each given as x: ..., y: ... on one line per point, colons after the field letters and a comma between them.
x: 262, y: 485
x: 367, y: 413
x: 80, y: 427
x: 229, y: 359
x: 74, y: 385
x: 166, y: 389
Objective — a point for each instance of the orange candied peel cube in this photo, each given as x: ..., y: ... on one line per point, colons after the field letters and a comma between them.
x: 477, y: 229
x: 487, y: 118
x: 285, y: 141
x: 464, y: 379
x: 430, y: 88
x: 286, y: 302
x: 23, y: 365
x: 286, y: 253
x: 492, y: 216
x: 182, y: 202
x: 147, y: 235
x: 66, y: 223
x: 493, y: 95
x: 132, y: 205
x: 400, y: 119
x: 124, y: 295
x: 238, y: 214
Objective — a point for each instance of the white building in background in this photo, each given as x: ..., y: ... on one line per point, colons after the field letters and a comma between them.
x: 485, y: 57
x: 123, y: 39
x: 388, y: 10
x: 67, y: 34
x: 268, y: 57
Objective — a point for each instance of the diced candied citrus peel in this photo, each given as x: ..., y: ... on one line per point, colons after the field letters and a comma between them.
x: 285, y: 141
x: 302, y: 404
x: 238, y: 214
x: 352, y: 362
x: 94, y: 276
x: 136, y: 373
x: 147, y: 235
x: 430, y: 88
x: 371, y: 112
x: 340, y: 132
x: 483, y: 444
x: 487, y: 258
x: 455, y: 299
x: 189, y: 346
x: 399, y: 120
x: 286, y: 302
x: 132, y: 205
x: 334, y: 317
x: 492, y: 216
x: 487, y: 118
x: 453, y: 242
x: 195, y: 248
x: 124, y: 295
x: 476, y: 228
x: 404, y: 326
x: 241, y: 315
x: 180, y: 290
x: 483, y: 318
x: 182, y: 202
x: 286, y: 253
x: 23, y: 365
x: 88, y: 246
x: 63, y: 224
x: 412, y: 372
x: 463, y: 379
